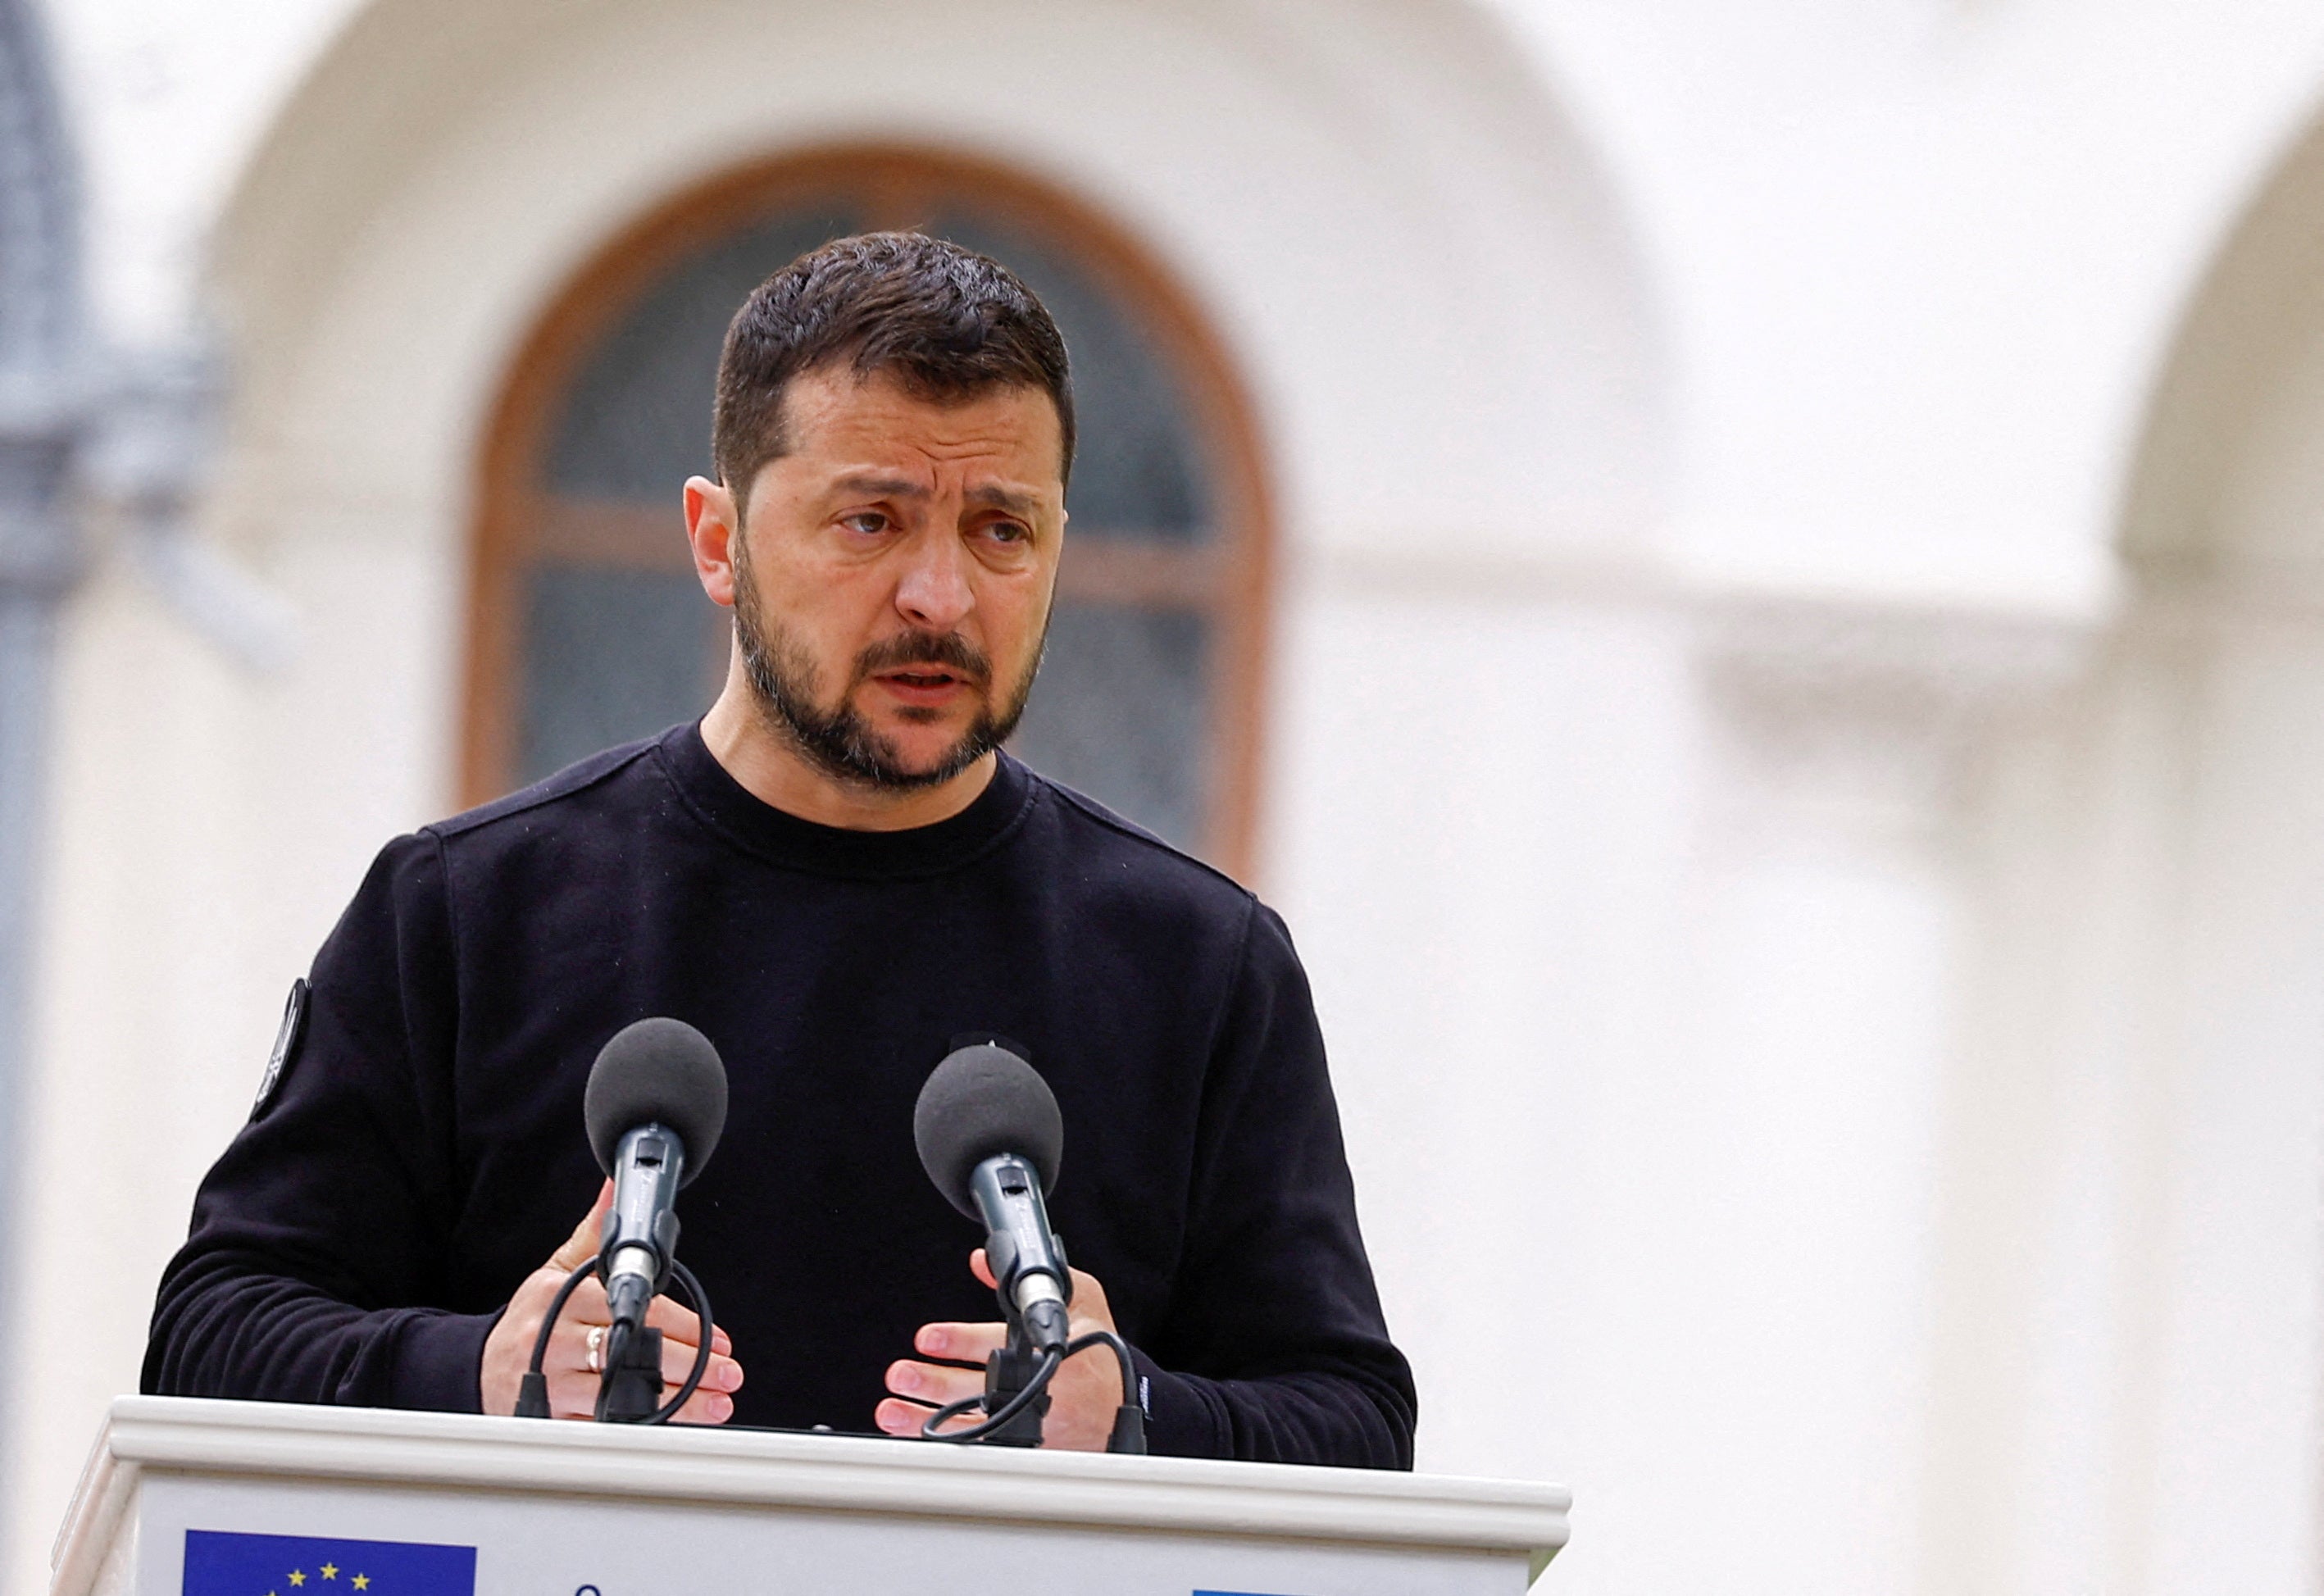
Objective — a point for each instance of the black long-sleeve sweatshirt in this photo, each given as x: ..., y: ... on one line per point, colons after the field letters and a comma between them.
x: 423, y: 1150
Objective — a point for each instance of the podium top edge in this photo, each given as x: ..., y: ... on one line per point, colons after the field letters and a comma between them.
x: 832, y: 1472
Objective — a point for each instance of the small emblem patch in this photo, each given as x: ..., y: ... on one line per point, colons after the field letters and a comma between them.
x: 286, y: 1047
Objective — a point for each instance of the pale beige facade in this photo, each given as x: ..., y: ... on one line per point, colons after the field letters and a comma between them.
x: 1794, y: 712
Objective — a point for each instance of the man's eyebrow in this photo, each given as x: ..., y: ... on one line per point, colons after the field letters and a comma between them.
x: 1022, y: 505
x: 884, y: 487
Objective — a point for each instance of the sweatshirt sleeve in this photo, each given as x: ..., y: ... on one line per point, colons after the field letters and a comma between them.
x: 1274, y: 1348
x: 326, y: 1214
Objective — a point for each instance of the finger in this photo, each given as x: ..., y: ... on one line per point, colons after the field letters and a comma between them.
x: 971, y: 1344
x: 896, y: 1417
x: 982, y: 1268
x: 573, y: 1394
x: 570, y: 1349
x: 573, y: 1388
x: 683, y: 1325
x: 712, y: 1402
x: 587, y: 1307
x: 583, y: 1242
x: 933, y: 1383
x: 1091, y: 1310
x: 568, y: 1343
x: 705, y: 1406
x: 723, y: 1374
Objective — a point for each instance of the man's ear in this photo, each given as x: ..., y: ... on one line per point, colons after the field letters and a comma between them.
x: 711, y: 528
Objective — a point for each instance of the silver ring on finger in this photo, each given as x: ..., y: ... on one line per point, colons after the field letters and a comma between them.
x: 596, y: 1349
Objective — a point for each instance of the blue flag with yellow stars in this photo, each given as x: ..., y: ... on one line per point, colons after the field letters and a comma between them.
x: 221, y: 1564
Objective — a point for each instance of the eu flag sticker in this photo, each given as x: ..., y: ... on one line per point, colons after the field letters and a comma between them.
x: 224, y: 1565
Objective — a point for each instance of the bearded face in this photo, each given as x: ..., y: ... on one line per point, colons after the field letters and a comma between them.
x: 832, y: 732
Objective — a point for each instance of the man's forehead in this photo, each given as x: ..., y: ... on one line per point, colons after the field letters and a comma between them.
x: 848, y: 419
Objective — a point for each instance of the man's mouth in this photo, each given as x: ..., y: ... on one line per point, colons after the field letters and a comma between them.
x: 923, y: 684
x: 925, y: 676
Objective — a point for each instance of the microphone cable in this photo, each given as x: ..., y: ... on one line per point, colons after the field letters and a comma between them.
x: 1129, y: 1420
x: 533, y: 1391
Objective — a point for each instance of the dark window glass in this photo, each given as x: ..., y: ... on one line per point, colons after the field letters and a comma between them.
x: 1117, y: 712
x: 612, y: 653
x: 636, y: 422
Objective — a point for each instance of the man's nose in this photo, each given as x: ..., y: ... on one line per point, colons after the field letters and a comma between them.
x: 933, y: 594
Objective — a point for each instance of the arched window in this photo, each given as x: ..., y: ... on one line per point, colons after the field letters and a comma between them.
x: 587, y: 627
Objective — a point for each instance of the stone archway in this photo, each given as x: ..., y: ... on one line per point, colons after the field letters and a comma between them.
x: 2252, y: 327
x: 2143, y: 1298
x: 2223, y: 535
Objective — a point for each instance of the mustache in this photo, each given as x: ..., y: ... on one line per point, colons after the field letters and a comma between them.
x: 947, y: 649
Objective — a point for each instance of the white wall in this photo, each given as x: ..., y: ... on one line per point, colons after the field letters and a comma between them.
x: 1819, y: 966
x: 1920, y: 260
x: 2224, y: 1154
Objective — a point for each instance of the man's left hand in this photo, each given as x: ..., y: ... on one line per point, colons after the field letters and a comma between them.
x: 1083, y: 1396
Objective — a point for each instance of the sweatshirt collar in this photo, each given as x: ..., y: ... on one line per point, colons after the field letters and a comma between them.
x: 782, y: 839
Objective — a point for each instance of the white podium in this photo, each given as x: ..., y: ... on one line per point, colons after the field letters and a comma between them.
x: 553, y: 1508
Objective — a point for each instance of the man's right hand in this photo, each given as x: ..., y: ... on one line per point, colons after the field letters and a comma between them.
x: 572, y: 1384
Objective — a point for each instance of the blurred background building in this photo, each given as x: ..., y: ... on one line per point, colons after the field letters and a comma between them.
x: 1750, y: 577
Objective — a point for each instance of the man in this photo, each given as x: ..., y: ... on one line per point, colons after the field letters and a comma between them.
x: 835, y: 875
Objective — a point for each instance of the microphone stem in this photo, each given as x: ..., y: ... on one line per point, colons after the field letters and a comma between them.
x: 628, y: 1292
x: 1042, y: 1306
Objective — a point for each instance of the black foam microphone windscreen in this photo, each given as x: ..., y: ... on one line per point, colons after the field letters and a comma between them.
x: 662, y: 1072
x: 981, y: 1101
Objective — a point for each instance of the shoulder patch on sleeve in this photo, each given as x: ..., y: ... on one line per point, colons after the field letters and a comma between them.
x: 286, y: 1047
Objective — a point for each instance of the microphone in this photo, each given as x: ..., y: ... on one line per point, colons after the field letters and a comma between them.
x: 989, y: 1135
x: 654, y: 1106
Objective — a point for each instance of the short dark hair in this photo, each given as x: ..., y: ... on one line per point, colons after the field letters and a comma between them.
x: 949, y: 323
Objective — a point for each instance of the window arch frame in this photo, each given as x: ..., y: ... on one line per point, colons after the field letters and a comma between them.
x: 900, y: 186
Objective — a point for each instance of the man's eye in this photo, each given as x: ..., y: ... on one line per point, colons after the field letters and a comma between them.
x: 866, y: 522
x: 1009, y: 532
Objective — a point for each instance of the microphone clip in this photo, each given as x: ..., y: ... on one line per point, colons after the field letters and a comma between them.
x: 1006, y: 1373
x: 630, y: 1391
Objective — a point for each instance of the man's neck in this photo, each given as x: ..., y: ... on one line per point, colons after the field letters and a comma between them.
x: 771, y: 768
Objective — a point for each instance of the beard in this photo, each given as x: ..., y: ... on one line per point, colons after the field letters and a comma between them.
x: 839, y: 741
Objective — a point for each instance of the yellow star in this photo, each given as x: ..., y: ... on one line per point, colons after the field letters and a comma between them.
x: 297, y: 1577
x: 331, y: 1571
x: 363, y: 1581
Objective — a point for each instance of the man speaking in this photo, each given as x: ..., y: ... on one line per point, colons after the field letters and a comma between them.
x: 836, y: 876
